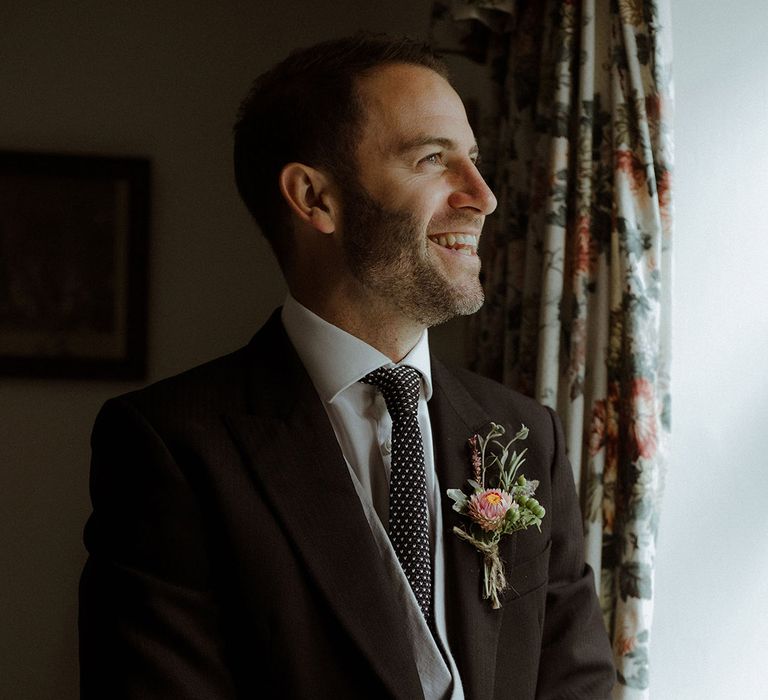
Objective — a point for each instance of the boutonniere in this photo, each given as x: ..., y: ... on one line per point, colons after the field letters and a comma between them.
x: 501, y: 502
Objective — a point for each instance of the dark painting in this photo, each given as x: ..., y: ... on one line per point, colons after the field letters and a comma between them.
x: 73, y: 265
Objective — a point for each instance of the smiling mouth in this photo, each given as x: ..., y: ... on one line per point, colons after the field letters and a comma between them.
x: 463, y: 243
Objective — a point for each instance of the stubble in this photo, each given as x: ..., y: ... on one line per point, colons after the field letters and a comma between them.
x: 388, y: 253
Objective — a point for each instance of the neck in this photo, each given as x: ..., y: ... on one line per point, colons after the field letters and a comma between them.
x: 370, y: 319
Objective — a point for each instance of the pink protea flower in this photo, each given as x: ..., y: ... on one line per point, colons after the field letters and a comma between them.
x: 488, y: 508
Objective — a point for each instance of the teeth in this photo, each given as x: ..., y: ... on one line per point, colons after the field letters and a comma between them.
x: 467, y: 244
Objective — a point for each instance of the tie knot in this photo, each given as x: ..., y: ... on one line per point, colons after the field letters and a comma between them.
x: 399, y: 386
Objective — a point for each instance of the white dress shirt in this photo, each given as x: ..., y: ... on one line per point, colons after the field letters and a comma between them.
x: 336, y: 361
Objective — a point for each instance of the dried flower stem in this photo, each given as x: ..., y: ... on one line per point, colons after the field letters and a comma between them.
x: 494, y: 580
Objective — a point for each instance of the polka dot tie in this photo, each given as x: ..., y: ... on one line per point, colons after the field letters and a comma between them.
x: 408, y: 514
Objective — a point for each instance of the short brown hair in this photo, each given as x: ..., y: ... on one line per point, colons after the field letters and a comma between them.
x: 307, y: 109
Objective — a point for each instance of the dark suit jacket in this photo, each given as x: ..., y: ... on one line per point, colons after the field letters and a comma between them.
x: 230, y: 556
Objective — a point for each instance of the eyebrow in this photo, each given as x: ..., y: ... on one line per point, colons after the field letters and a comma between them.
x: 427, y: 140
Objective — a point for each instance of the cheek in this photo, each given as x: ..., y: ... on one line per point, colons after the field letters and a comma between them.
x: 419, y: 195
x: 418, y: 214
x: 429, y: 213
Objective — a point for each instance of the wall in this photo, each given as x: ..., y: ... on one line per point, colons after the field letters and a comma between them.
x: 709, y: 638
x: 161, y: 80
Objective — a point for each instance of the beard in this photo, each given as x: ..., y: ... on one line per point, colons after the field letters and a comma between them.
x: 388, y: 253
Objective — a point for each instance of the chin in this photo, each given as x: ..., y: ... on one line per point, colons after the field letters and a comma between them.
x: 454, y: 303
x: 469, y: 304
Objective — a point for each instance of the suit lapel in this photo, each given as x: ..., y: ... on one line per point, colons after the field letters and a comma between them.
x: 289, y: 445
x: 473, y: 627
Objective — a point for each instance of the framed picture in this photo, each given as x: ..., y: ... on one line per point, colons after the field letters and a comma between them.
x: 73, y: 265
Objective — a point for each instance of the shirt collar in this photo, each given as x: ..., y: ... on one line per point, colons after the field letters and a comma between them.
x: 335, y: 359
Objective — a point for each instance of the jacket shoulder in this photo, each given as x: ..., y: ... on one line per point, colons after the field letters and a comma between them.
x: 490, y: 393
x: 217, y: 382
x: 219, y: 385
x: 500, y: 404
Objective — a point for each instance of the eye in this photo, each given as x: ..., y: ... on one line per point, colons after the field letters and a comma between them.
x: 432, y: 159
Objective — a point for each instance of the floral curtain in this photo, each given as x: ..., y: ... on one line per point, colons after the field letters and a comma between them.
x: 577, y: 261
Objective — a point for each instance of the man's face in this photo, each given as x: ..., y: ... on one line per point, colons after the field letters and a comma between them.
x: 412, y: 220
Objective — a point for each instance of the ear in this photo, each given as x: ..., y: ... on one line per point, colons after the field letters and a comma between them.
x: 308, y: 194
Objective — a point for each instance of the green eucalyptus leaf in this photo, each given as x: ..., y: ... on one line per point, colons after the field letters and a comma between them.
x: 459, y: 499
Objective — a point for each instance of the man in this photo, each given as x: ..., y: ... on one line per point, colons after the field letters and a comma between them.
x: 249, y: 536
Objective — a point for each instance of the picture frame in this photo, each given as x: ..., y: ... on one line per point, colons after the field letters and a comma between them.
x: 74, y: 235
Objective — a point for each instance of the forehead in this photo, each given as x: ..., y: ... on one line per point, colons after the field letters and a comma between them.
x: 402, y: 102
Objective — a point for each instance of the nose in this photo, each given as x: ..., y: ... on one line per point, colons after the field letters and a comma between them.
x: 473, y: 192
